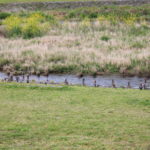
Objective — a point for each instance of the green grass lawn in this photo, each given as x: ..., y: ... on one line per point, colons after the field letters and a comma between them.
x: 73, y: 118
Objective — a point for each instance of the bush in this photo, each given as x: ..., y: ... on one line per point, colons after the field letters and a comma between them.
x: 4, y: 15
x: 13, y: 26
x: 105, y: 38
x: 31, y: 30
x: 29, y: 26
x: 93, y: 15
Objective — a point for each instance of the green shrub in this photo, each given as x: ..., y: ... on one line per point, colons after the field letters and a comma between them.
x: 72, y: 15
x: 93, y: 15
x: 29, y: 26
x: 105, y: 38
x: 4, y: 15
x: 31, y: 30
x: 13, y: 26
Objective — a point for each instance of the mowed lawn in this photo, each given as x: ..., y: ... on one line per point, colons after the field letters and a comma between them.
x: 73, y: 118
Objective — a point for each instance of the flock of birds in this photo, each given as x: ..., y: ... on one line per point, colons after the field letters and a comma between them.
x: 141, y: 86
x: 26, y: 79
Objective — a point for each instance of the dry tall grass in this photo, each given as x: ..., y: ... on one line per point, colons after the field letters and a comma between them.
x: 77, y: 47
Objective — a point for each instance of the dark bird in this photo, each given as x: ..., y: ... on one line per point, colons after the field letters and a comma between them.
x: 17, y: 78
x: 28, y: 78
x: 141, y: 86
x: 113, y: 84
x: 38, y: 75
x: 129, y: 85
x: 66, y: 82
x: 95, y: 84
x: 83, y: 82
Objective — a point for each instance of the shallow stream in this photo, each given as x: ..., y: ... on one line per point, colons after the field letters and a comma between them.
x: 102, y: 81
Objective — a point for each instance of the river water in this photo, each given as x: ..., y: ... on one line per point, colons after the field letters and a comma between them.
x: 102, y: 81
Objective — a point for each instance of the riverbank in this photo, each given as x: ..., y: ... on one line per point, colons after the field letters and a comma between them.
x: 59, y: 118
x: 86, y: 41
x: 80, y: 48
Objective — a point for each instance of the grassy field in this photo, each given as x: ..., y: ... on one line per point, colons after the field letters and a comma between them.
x: 73, y: 118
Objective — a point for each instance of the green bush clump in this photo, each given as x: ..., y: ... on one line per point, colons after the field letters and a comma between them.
x: 28, y: 26
x: 4, y: 15
x: 13, y: 26
x: 105, y: 38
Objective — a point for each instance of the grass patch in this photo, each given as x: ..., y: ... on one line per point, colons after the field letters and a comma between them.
x: 73, y: 118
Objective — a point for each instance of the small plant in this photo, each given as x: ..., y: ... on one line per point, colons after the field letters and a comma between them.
x: 105, y: 38
x: 93, y: 15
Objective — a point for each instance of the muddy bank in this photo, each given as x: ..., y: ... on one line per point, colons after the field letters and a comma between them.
x: 32, y: 6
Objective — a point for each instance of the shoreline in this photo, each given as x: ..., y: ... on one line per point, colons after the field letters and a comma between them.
x: 79, y: 75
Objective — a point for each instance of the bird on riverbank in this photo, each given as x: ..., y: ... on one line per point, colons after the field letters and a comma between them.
x: 28, y: 78
x: 141, y: 86
x: 17, y: 78
x: 38, y: 75
x: 95, y: 84
x: 66, y: 82
x: 83, y: 82
x: 113, y: 84
x: 129, y: 85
